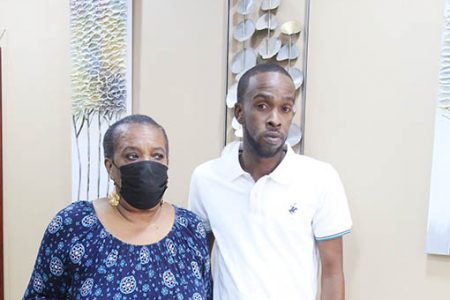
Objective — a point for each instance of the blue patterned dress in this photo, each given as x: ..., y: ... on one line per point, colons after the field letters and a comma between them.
x: 79, y: 259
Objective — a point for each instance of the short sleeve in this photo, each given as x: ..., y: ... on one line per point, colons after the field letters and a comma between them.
x: 195, y: 202
x: 332, y: 217
x: 50, y: 277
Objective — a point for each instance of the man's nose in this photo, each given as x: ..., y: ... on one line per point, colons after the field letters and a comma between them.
x: 274, y: 119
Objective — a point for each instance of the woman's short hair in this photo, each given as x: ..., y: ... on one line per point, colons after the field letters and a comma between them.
x: 109, y: 139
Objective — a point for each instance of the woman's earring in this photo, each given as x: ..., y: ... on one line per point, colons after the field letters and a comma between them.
x: 113, y: 199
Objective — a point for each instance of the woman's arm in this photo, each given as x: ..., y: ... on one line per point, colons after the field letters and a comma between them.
x: 50, y: 276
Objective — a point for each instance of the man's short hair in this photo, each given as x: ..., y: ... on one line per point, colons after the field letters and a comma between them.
x: 109, y: 140
x: 261, y: 68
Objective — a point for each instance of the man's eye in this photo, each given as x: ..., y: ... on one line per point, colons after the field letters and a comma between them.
x: 262, y: 106
x: 287, y: 109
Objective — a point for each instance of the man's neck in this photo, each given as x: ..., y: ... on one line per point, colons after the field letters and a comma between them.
x: 256, y: 165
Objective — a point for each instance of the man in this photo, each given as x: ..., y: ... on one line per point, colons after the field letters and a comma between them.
x: 273, y: 213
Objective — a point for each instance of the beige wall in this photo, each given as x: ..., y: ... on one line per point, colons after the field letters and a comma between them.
x: 371, y: 94
x: 179, y: 69
x: 372, y: 90
x: 36, y: 124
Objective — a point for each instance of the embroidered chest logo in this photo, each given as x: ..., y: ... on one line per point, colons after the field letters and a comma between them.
x: 293, y: 209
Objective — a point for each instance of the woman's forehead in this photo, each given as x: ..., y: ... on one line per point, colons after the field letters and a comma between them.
x: 134, y: 134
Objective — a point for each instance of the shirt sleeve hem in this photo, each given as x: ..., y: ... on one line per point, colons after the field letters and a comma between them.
x: 333, y: 236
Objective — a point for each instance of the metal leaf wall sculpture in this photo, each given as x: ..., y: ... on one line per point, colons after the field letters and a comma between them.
x: 100, y: 79
x: 251, y: 43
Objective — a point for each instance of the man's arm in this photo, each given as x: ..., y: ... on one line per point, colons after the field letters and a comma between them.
x: 210, y: 238
x: 332, y: 281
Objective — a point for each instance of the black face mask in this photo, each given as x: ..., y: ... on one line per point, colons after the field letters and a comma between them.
x: 143, y: 183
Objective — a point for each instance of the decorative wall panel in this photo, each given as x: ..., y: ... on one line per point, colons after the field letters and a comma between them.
x: 261, y: 31
x: 438, y: 235
x: 101, y: 86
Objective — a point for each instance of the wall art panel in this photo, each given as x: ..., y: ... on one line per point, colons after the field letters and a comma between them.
x: 438, y: 235
x: 101, y: 86
x: 261, y: 31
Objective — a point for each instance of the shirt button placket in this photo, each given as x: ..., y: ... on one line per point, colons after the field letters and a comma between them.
x: 255, y: 195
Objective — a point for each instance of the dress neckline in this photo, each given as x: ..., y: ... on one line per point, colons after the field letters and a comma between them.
x: 155, y: 244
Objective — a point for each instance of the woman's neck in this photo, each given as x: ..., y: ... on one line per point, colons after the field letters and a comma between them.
x: 138, y: 216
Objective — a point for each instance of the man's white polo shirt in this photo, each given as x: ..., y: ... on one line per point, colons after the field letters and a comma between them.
x: 266, y: 231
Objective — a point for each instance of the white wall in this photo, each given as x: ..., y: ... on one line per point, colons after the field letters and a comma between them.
x: 371, y: 95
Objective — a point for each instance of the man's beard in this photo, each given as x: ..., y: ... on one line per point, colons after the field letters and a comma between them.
x: 257, y: 148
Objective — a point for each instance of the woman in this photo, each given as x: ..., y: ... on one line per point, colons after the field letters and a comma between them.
x: 131, y: 245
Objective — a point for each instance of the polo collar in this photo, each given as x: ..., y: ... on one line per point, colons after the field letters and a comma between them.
x: 230, y: 160
x: 232, y: 168
x: 283, y: 172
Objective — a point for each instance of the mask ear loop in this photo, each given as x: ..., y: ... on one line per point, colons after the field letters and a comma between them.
x: 118, y: 168
x: 161, y: 202
x: 114, y: 197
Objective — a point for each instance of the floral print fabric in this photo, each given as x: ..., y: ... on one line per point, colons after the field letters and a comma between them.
x: 79, y: 259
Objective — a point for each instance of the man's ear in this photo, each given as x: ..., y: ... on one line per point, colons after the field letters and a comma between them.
x: 238, y: 114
